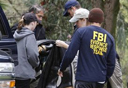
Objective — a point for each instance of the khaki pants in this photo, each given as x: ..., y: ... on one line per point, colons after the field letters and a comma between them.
x: 74, y: 68
x: 35, y: 83
x: 116, y: 79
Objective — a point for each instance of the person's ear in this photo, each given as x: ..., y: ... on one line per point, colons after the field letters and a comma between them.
x: 84, y: 19
x: 72, y: 9
x: 32, y: 23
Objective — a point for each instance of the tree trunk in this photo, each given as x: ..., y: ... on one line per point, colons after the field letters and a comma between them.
x: 97, y: 3
x: 111, y: 9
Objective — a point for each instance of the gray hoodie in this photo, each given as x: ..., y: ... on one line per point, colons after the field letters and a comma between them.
x: 27, y: 54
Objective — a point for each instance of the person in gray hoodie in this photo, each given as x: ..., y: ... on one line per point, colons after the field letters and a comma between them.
x: 27, y: 51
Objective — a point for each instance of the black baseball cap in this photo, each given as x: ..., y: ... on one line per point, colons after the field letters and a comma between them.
x: 68, y: 5
x: 29, y: 17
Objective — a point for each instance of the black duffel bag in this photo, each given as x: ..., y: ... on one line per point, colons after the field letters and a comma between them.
x: 49, y: 77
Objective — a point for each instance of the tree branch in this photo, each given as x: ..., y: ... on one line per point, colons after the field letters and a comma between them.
x: 14, y: 7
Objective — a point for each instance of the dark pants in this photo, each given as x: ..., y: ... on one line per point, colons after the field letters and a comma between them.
x: 82, y: 84
x: 22, y: 83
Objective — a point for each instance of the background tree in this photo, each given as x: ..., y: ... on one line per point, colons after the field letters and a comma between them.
x: 122, y: 38
x: 15, y: 8
x: 2, y: 4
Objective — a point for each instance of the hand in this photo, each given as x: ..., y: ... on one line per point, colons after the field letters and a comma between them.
x: 60, y: 73
x: 61, y: 44
x: 40, y: 49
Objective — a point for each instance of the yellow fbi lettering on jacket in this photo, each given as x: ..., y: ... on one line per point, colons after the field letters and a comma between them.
x: 98, y: 43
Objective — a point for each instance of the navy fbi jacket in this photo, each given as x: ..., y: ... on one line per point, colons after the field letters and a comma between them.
x: 97, y: 54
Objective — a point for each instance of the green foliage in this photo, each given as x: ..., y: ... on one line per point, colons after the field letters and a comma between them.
x: 29, y: 3
x: 57, y: 26
x: 86, y: 4
x: 122, y: 28
x: 122, y: 38
x: 3, y: 5
x: 124, y: 9
x: 15, y: 8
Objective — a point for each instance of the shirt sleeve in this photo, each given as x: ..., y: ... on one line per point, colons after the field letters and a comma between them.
x: 71, y: 51
x: 32, y: 51
x: 111, y: 60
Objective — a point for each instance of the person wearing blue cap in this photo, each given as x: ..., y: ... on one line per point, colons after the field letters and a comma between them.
x: 70, y: 7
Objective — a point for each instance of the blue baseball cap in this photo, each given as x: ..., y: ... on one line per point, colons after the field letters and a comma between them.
x: 68, y: 5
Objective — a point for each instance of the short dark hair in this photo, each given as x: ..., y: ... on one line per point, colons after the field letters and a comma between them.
x: 78, y: 6
x: 96, y: 15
